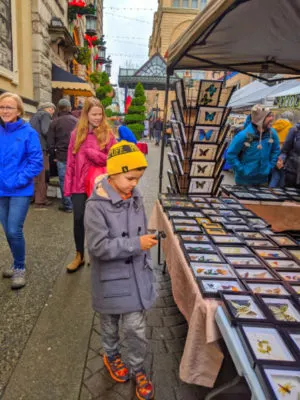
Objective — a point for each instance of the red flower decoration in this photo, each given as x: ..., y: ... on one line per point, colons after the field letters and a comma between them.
x: 77, y: 3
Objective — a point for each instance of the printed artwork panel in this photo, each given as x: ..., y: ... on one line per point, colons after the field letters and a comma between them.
x: 282, y: 309
x: 209, y: 93
x: 285, y: 384
x: 201, y: 185
x: 284, y: 264
x: 212, y: 271
x: 206, y: 134
x: 243, y: 306
x: 254, y: 274
x: 268, y: 288
x: 267, y: 344
x: 202, y: 168
x: 204, y: 152
x: 210, y: 116
x: 211, y: 286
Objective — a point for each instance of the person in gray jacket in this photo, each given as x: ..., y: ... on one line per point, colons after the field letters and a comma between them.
x: 40, y: 121
x: 122, y: 275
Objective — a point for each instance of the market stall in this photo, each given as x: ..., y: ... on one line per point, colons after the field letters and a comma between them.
x: 232, y: 250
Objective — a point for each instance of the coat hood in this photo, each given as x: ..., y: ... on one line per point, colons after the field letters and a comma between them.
x: 282, y: 125
x: 104, y: 191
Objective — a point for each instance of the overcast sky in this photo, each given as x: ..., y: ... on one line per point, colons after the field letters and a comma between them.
x: 126, y: 37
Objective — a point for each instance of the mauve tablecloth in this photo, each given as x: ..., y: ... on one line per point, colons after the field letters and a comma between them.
x: 202, y: 357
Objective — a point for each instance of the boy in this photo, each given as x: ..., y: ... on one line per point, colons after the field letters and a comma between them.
x: 122, y: 276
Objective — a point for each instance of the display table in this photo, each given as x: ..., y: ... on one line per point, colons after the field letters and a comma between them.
x: 238, y: 355
x: 282, y: 217
x: 202, y: 357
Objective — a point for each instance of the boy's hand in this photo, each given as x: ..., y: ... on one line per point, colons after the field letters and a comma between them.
x: 148, y: 241
x: 279, y: 164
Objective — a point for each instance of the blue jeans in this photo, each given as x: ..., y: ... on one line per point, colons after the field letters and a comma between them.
x: 13, y: 211
x: 61, y: 169
x: 277, y: 178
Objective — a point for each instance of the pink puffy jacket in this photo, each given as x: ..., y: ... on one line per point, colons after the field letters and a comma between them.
x: 89, y: 155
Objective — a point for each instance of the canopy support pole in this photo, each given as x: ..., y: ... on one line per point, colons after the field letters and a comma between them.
x: 162, y: 152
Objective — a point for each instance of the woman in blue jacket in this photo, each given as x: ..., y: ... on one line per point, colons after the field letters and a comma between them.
x: 21, y: 159
x: 254, y: 151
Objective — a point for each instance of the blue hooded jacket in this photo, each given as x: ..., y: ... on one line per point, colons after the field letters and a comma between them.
x: 252, y: 165
x: 21, y: 158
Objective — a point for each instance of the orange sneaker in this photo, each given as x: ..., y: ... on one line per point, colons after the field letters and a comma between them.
x: 144, y: 387
x: 116, y: 368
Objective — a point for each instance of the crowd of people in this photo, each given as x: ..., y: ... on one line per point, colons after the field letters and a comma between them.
x: 266, y: 152
x: 113, y: 217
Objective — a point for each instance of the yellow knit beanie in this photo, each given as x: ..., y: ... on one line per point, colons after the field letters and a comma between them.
x: 123, y: 157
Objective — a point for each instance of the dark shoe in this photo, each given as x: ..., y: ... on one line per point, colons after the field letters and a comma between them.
x: 76, y: 263
x: 116, y: 368
x: 144, y: 387
x: 66, y: 210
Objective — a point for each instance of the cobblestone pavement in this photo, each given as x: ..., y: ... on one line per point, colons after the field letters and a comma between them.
x: 166, y: 332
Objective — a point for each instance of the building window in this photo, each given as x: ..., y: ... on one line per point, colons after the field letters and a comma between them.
x: 203, y: 4
x: 195, y: 3
x: 185, y: 3
x: 176, y: 3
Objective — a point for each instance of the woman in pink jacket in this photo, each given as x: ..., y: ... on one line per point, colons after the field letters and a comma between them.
x: 89, y: 146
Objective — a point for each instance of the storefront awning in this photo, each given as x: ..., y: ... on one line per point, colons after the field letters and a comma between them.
x: 248, y: 36
x: 69, y: 83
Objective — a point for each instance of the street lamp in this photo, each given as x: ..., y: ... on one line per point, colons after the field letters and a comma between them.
x: 91, y: 24
x: 108, y: 66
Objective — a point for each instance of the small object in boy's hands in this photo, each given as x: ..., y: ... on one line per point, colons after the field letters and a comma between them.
x: 160, y: 235
x: 148, y: 241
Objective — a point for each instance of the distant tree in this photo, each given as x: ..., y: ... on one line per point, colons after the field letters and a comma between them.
x: 104, y: 90
x: 136, y: 112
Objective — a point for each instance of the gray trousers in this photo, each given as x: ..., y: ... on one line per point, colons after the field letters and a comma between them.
x: 134, y: 328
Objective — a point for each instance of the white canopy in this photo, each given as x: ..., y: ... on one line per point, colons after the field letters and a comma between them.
x: 265, y: 95
x: 246, y: 91
x: 249, y: 36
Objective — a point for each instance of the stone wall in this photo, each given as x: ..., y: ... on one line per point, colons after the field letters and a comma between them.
x: 43, y: 55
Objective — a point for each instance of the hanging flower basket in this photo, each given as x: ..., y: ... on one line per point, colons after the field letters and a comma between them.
x: 83, y: 56
x: 91, y: 41
x: 78, y: 8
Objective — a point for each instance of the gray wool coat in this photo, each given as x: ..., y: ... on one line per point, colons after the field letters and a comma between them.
x: 122, y: 275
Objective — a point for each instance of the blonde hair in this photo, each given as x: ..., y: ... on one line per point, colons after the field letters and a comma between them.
x: 18, y: 100
x: 102, y: 132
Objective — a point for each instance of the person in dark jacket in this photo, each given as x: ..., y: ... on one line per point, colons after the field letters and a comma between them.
x: 41, y: 121
x: 58, y: 142
x: 122, y: 274
x: 290, y: 157
x: 157, y: 128
x: 21, y: 159
x: 254, y: 151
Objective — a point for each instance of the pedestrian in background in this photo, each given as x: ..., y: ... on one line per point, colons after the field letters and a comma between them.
x: 88, y: 148
x: 282, y: 126
x: 21, y: 159
x: 254, y: 151
x: 58, y: 142
x: 151, y: 132
x: 40, y: 121
x: 157, y: 128
x: 290, y: 157
x: 77, y: 112
x: 122, y: 275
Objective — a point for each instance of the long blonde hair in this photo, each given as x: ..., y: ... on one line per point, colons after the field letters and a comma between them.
x: 102, y: 132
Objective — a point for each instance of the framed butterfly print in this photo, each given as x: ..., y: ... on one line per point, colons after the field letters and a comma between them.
x: 279, y: 381
x: 209, y: 93
x: 225, y: 96
x: 178, y: 131
x: 206, y: 134
x: 202, y: 168
x: 173, y: 179
x: 180, y: 93
x: 176, y: 148
x: 210, y: 115
x: 177, y: 111
x: 212, y: 288
x: 201, y: 185
x: 204, y: 152
x: 175, y: 164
